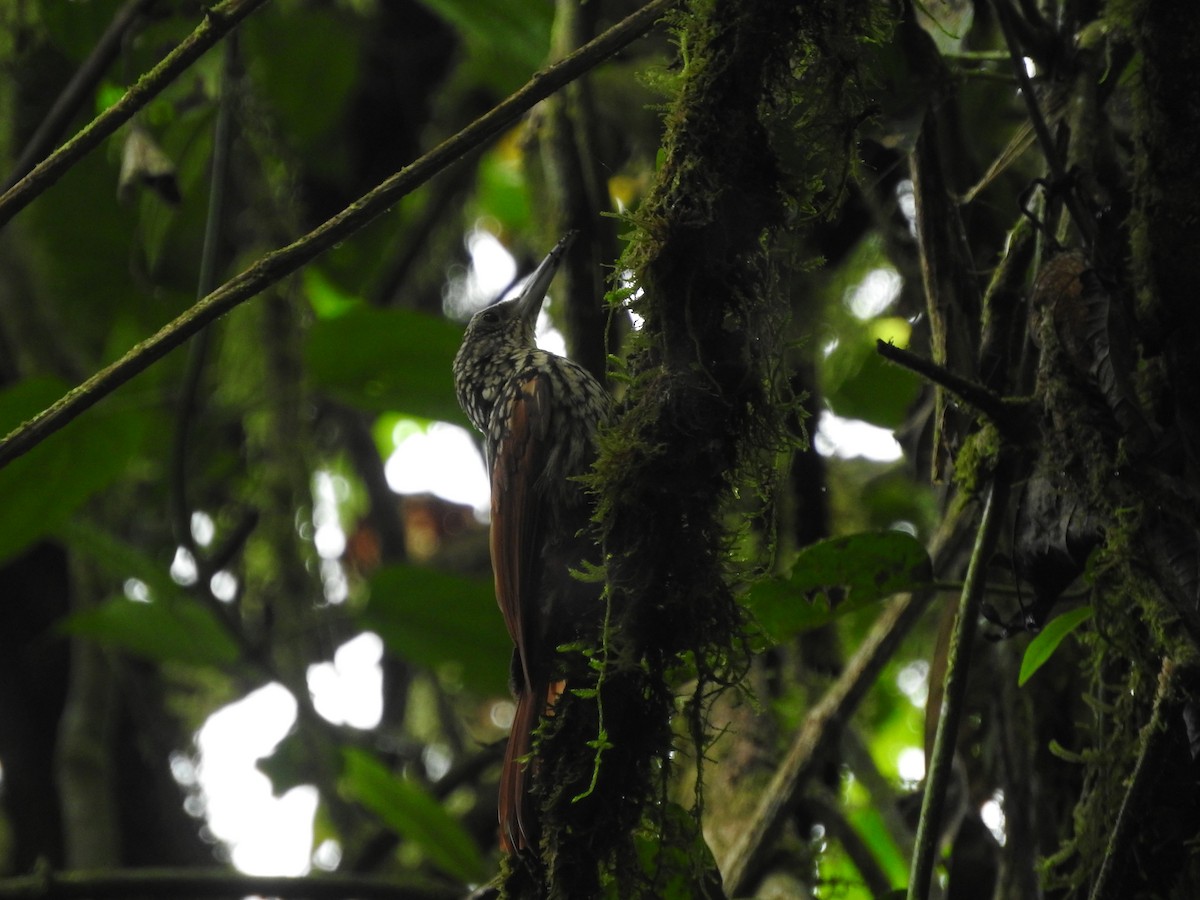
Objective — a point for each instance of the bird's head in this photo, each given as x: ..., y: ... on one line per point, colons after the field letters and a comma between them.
x: 497, y: 336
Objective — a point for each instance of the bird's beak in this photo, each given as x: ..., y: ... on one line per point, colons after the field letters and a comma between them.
x: 529, y: 304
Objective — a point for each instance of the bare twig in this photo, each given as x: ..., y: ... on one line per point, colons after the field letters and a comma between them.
x: 282, y: 262
x: 957, y: 668
x: 218, y: 22
x: 76, y: 91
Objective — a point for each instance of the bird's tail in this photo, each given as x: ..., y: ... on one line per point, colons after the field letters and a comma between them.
x: 518, y: 823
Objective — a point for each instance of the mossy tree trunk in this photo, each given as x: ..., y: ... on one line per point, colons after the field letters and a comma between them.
x: 707, y: 418
x: 1085, y: 330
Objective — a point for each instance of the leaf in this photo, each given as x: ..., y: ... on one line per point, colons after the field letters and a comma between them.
x: 504, y: 40
x: 835, y: 577
x: 120, y: 559
x: 328, y: 301
x: 412, y: 813
x: 289, y: 51
x: 875, y: 834
x: 144, y: 164
x: 173, y: 627
x: 40, y: 490
x: 161, y: 630
x: 98, y: 289
x: 1042, y: 647
x: 501, y: 190
x: 861, y: 383
x: 439, y: 620
x: 387, y: 359
x: 876, y: 392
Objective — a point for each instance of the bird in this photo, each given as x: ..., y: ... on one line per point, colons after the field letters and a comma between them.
x: 539, y: 414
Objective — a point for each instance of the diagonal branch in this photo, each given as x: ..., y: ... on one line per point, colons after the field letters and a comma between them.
x: 282, y: 262
x: 77, y: 91
x: 957, y: 667
x: 1011, y: 416
x: 745, y: 861
x: 215, y: 883
x: 218, y: 22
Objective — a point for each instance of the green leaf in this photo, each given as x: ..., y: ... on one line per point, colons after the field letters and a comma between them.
x: 505, y: 41
x: 838, y: 576
x: 501, y: 191
x: 412, y: 813
x: 387, y: 359
x: 871, y: 827
x: 120, y: 559
x: 290, y: 53
x: 173, y: 627
x: 99, y: 289
x: 861, y: 383
x: 1042, y: 647
x: 40, y: 490
x: 445, y: 622
x: 161, y: 630
x: 72, y: 28
x: 328, y: 301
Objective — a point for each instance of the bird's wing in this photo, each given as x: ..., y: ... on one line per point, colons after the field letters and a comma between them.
x: 518, y: 514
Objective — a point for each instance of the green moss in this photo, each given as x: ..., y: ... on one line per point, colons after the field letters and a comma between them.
x: 696, y: 444
x: 977, y: 459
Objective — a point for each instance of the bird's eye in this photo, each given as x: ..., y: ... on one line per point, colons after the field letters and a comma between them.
x: 489, y: 317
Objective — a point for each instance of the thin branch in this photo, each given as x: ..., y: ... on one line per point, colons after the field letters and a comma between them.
x: 957, y: 668
x: 1083, y: 222
x: 189, y: 395
x: 1034, y: 21
x: 77, y: 90
x: 218, y: 22
x: 466, y: 771
x: 885, y: 795
x: 99, y: 885
x: 231, y: 546
x: 1040, y: 128
x: 282, y: 262
x: 1006, y: 414
x: 820, y: 726
x: 745, y: 860
x: 1155, y: 740
x: 383, y: 512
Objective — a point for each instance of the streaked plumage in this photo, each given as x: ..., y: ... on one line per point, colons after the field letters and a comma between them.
x: 538, y: 413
